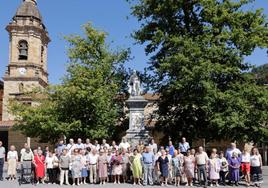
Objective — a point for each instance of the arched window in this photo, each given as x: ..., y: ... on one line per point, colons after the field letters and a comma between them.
x: 23, y: 50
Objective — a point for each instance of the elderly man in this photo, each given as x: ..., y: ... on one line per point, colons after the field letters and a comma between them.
x: 184, y: 146
x: 231, y: 150
x: 104, y: 144
x: 60, y: 147
x: 79, y: 144
x: 147, y: 162
x: 71, y: 146
x: 201, y: 159
x: 93, y: 160
x: 124, y: 144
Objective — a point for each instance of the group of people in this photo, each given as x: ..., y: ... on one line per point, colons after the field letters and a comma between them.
x: 81, y: 163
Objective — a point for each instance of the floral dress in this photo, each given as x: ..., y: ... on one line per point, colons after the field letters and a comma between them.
x: 77, y: 166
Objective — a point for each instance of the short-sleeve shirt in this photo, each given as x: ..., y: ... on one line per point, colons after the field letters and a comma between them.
x: 2, y: 152
x: 184, y: 147
x: 201, y: 158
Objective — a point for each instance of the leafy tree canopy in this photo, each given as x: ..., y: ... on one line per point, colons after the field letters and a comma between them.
x: 197, y: 51
x: 86, y: 104
x: 261, y: 73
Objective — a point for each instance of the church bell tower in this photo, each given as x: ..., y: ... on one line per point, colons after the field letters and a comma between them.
x: 28, y: 44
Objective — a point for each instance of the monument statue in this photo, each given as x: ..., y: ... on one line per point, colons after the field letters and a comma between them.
x: 136, y: 104
x: 134, y: 85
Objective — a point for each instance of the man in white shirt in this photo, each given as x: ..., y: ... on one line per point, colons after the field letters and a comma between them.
x: 104, y: 144
x: 184, y: 146
x: 201, y: 159
x: 79, y: 144
x: 93, y: 159
x: 153, y: 145
x: 124, y: 144
x: 70, y: 147
x: 88, y: 144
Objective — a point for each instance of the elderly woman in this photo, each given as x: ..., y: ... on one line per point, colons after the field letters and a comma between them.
x: 12, y: 159
x: 39, y: 161
x: 136, y: 167
x: 117, y: 166
x: 234, y: 166
x: 163, y: 167
x: 102, y: 166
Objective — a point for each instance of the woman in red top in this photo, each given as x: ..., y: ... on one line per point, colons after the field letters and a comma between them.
x: 39, y: 161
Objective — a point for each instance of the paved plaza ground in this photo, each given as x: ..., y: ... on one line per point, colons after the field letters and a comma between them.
x: 15, y: 184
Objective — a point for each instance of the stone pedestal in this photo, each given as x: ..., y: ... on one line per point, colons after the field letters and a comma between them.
x: 137, y: 131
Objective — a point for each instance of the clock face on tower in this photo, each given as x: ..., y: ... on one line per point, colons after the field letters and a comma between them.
x: 22, y: 71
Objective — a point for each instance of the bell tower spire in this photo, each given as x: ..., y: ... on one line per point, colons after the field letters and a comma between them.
x: 27, y: 67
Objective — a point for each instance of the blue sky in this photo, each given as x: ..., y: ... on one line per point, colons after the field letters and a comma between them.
x: 64, y: 17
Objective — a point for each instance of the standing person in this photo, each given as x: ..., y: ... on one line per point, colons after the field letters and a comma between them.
x: 189, y: 167
x: 39, y: 161
x: 136, y: 167
x: 245, y: 166
x: 88, y: 144
x: 51, y: 169
x: 224, y: 168
x: 231, y: 150
x: 147, y: 162
x: 201, y: 159
x: 155, y: 169
x: 64, y: 164
x: 109, y: 165
x: 176, y: 165
x: 125, y: 164
x: 124, y: 144
x: 2, y: 160
x: 104, y: 144
x: 153, y: 146
x: 171, y: 148
x: 27, y: 159
x: 234, y: 166
x: 114, y: 146
x: 79, y: 145
x: 84, y: 162
x: 96, y: 145
x: 214, y: 168
x: 170, y: 172
x: 93, y: 160
x: 256, y: 167
x: 163, y: 166
x: 12, y: 159
x: 140, y: 146
x: 59, y: 148
x: 117, y: 166
x: 184, y: 146
x: 102, y: 166
x: 76, y: 166
x: 70, y: 147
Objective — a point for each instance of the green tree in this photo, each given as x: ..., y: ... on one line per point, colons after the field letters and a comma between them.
x: 86, y: 104
x: 197, y: 64
x: 261, y: 73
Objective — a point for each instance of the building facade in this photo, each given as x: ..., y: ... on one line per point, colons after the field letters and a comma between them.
x: 27, y: 66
